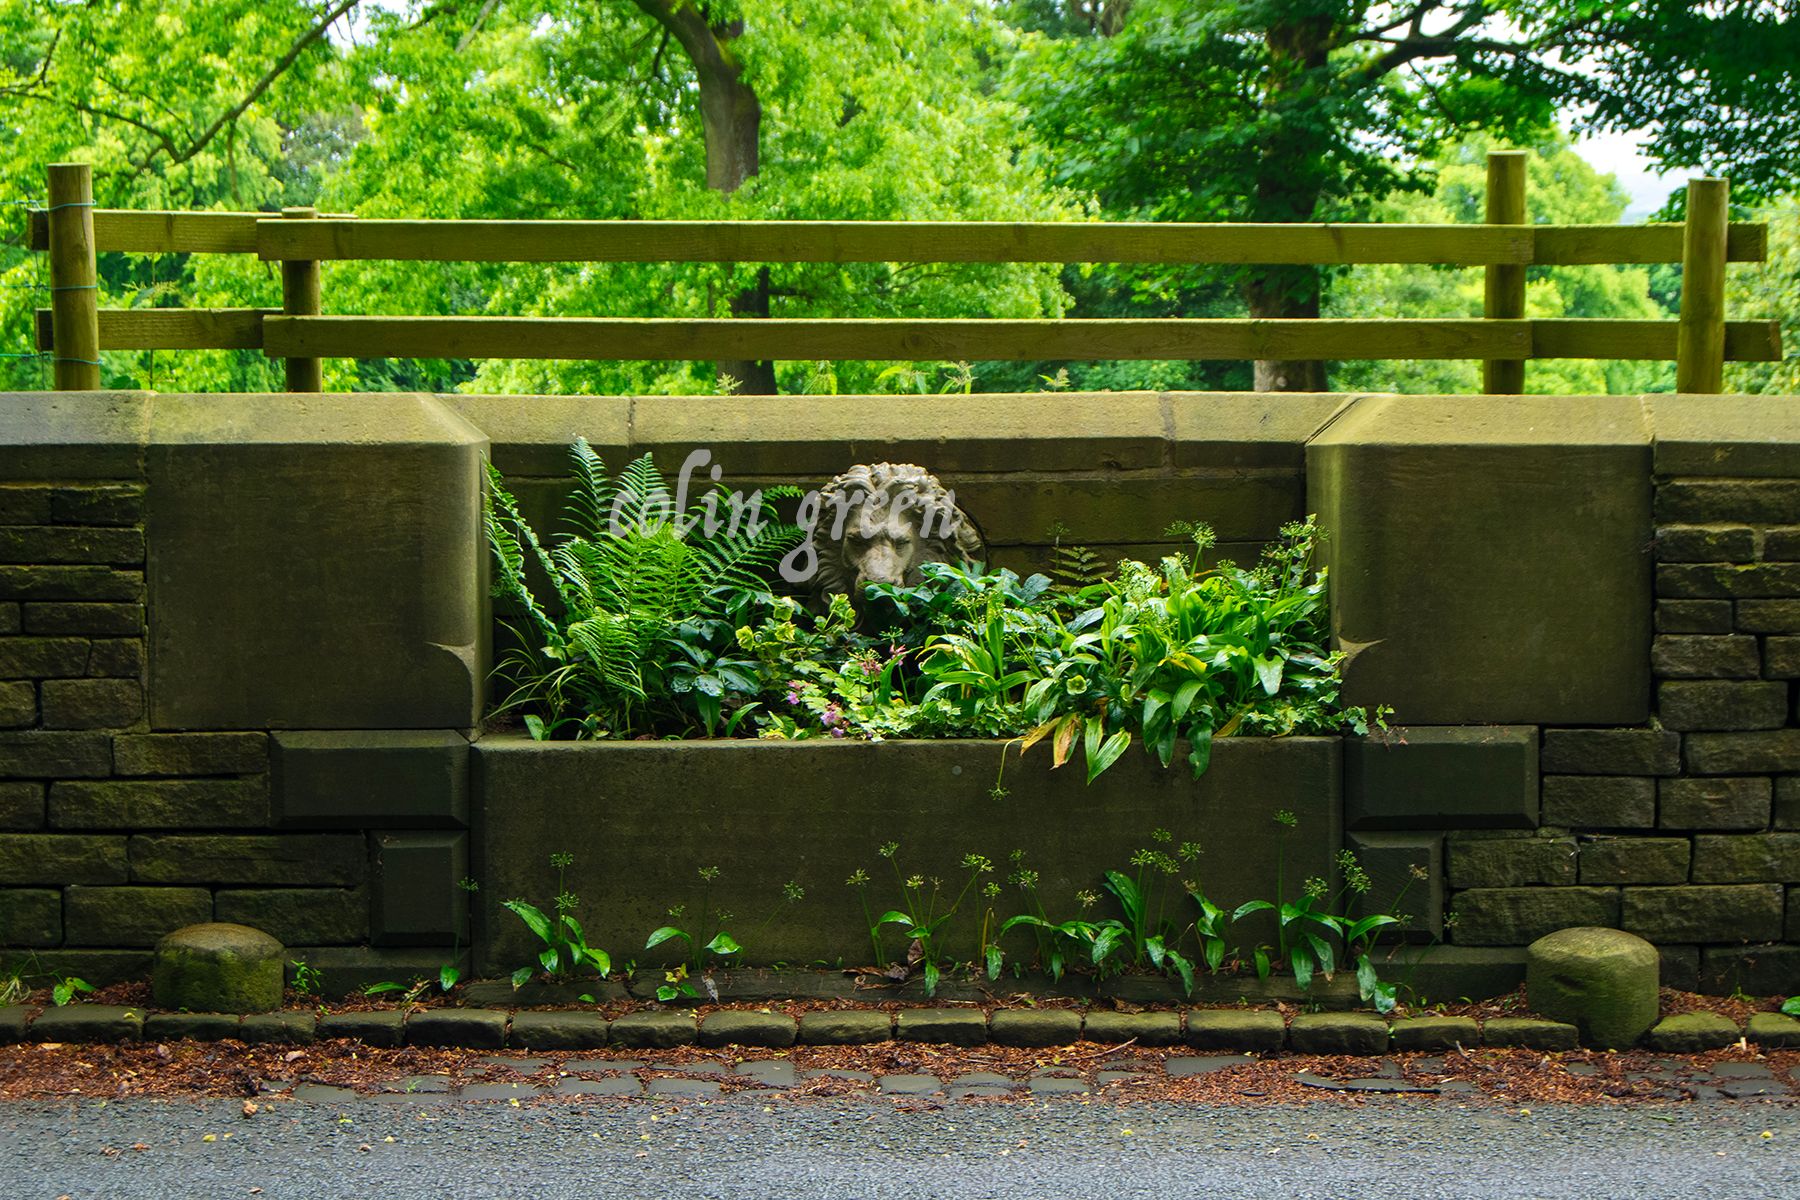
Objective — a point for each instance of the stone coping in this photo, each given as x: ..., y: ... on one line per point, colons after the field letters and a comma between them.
x: 1223, y: 1030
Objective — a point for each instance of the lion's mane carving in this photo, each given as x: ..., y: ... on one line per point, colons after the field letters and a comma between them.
x: 879, y: 522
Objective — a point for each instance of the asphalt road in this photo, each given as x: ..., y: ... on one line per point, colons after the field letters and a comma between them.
x: 756, y: 1146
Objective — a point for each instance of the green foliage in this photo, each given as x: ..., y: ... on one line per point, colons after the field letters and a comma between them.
x: 637, y: 630
x: 1561, y: 189
x: 925, y: 907
x: 564, y: 948
x: 1791, y: 1006
x: 65, y: 988
x: 1770, y: 289
x: 307, y: 979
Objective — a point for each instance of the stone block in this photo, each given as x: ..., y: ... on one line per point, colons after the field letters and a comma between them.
x: 298, y: 916
x: 1442, y: 778
x: 1520, y: 916
x: 1692, y: 1033
x: 69, y: 436
x: 1773, y: 1031
x: 658, y: 795
x: 279, y: 1028
x: 70, y: 583
x: 11, y: 620
x: 190, y: 754
x: 1781, y: 543
x: 18, y: 704
x: 471, y: 1028
x: 1757, y: 501
x: 1705, y: 543
x: 116, y: 658
x: 1769, y: 970
x: 1611, y: 752
x: 1693, y: 616
x: 30, y: 917
x: 1141, y: 1029
x: 1729, y: 803
x: 560, y: 1031
x: 1722, y: 580
x: 1768, y: 616
x: 1761, y: 753
x: 1694, y: 656
x: 361, y: 778
x: 99, y: 967
x: 849, y: 1028
x: 1787, y: 803
x: 98, y: 504
x: 1731, y: 438
x: 1338, y: 1033
x: 218, y: 967
x: 51, y: 545
x: 370, y: 1028
x: 88, y: 1023
x: 1394, y: 863
x: 160, y: 804
x: 729, y: 1028
x: 43, y: 657
x: 1034, y: 1027
x: 1260, y: 1032
x: 1747, y: 858
x: 1599, y: 802
x: 52, y: 618
x: 1433, y: 1035
x: 90, y: 703
x: 1715, y: 913
x: 348, y: 970
x: 1431, y: 509
x: 947, y: 1026
x: 1530, y: 1033
x: 21, y: 807
x: 58, y: 859
x: 1781, y: 658
x: 416, y: 900
x: 1710, y: 704
x: 1635, y: 860
x: 197, y: 1027
x: 131, y: 916
x: 316, y: 860
x: 317, y: 565
x: 1502, y: 862
x: 24, y: 504
x: 654, y: 1030
x: 1680, y: 967
x: 1603, y: 982
x: 14, y: 1020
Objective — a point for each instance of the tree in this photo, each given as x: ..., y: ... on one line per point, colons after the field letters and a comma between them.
x: 1308, y: 110
x: 1561, y: 189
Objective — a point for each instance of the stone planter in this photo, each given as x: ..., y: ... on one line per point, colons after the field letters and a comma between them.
x: 640, y: 818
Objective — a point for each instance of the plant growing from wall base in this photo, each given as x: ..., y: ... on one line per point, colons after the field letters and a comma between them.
x: 564, y: 944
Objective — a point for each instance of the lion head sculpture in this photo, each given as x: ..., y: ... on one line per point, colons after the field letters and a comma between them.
x: 879, y: 523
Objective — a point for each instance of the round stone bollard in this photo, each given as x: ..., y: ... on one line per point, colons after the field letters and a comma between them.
x: 218, y: 968
x: 1602, y: 981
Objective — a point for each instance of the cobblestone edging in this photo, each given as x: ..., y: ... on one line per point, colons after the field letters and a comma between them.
x: 1213, y: 1030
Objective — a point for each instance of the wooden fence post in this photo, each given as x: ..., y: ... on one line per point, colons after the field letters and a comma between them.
x: 1505, y: 298
x: 1700, y: 339
x: 300, y: 298
x: 74, y: 281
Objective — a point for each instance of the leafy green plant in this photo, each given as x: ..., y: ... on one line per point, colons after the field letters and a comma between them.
x: 719, y: 949
x: 408, y: 993
x: 565, y: 949
x: 638, y: 633
x: 449, y: 973
x: 65, y: 988
x: 1791, y: 1006
x: 307, y: 979
x: 926, y: 907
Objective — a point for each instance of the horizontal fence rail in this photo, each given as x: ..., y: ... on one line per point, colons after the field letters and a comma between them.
x: 76, y: 330
x: 626, y: 339
x: 346, y: 238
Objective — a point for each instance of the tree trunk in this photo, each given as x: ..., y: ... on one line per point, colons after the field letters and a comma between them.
x: 1287, y: 191
x: 731, y: 123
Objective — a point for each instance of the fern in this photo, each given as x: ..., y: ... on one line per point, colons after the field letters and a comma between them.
x: 1076, y: 567
x: 638, y: 636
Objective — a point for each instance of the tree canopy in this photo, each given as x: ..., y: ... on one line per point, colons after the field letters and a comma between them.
x: 898, y: 109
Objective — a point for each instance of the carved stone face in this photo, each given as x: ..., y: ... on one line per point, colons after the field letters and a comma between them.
x: 880, y: 523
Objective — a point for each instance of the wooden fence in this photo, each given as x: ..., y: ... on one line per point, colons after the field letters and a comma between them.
x: 75, y: 329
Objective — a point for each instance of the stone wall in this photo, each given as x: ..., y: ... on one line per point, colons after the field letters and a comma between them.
x: 244, y: 641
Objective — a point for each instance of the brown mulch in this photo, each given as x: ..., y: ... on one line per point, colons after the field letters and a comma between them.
x: 260, y: 1073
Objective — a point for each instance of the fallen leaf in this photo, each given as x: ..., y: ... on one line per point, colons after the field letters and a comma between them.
x: 250, y: 1108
